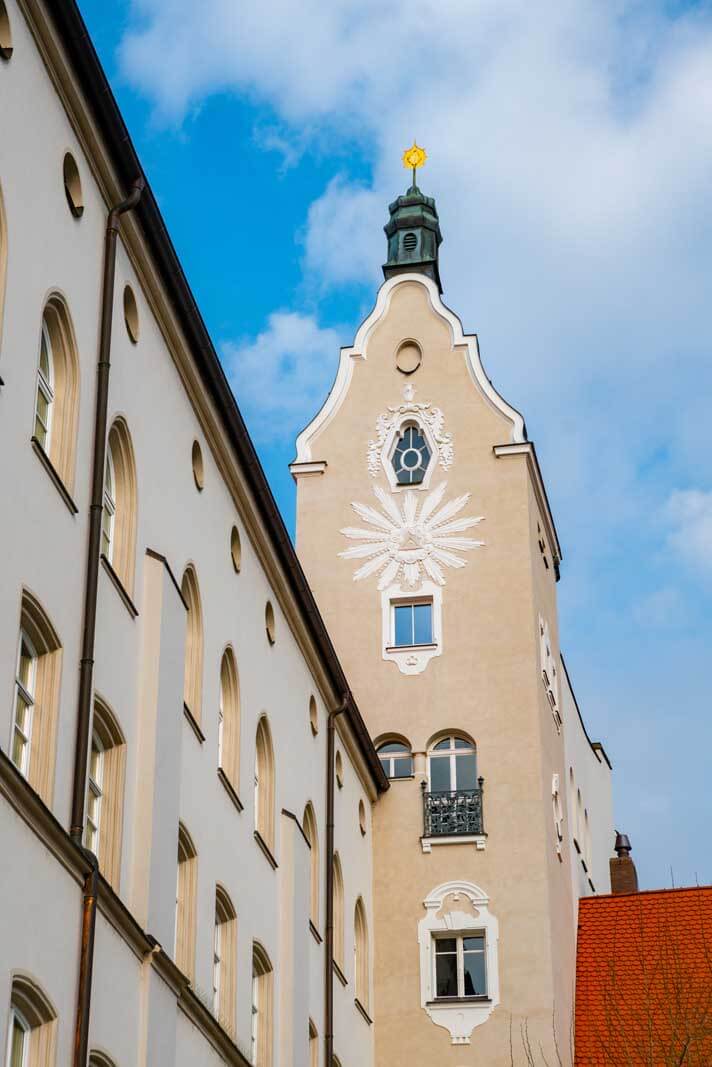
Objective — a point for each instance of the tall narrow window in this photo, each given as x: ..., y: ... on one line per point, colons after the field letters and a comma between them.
x: 33, y: 1026
x: 45, y: 390
x: 193, y: 674
x: 338, y: 913
x: 105, y: 793
x: 264, y: 783
x: 396, y: 759
x: 57, y: 393
x: 118, y: 534
x: 229, y: 719
x: 261, y: 1036
x: 224, y: 960
x: 186, y: 888
x: 34, y: 719
x: 312, y: 836
x: 361, y: 967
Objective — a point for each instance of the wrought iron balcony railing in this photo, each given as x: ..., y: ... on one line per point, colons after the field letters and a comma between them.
x: 451, y: 814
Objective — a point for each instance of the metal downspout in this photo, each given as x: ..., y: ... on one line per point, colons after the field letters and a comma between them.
x: 86, y: 664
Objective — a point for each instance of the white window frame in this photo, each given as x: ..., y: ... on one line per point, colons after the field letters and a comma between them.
x: 411, y: 659
x: 409, y: 417
x: 95, y: 790
x: 458, y: 909
x: 390, y: 758
x: 460, y: 955
x: 450, y: 754
x: 221, y: 721
x: 549, y: 671
x: 46, y: 388
x: 255, y: 1023
x: 412, y: 602
x: 410, y: 424
x: 26, y: 1028
x: 108, y: 523
x: 28, y: 696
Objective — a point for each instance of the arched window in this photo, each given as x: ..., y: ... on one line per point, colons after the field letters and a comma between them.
x: 186, y: 889
x: 361, y: 969
x: 411, y: 455
x: 261, y: 1037
x: 105, y: 793
x: 452, y: 765
x: 264, y: 783
x: 118, y: 533
x: 36, y: 698
x: 396, y: 759
x: 224, y: 960
x: 57, y: 393
x: 33, y: 1026
x: 193, y: 676
x: 312, y: 836
x: 229, y: 719
x: 338, y: 912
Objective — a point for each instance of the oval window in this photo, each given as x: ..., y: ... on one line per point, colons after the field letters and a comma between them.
x: 409, y: 357
x: 73, y: 186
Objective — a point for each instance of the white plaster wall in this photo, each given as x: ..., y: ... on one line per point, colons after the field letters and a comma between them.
x: 44, y: 549
x: 592, y: 776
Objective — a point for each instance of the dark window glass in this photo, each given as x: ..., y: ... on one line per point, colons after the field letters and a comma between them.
x: 466, y: 771
x: 402, y: 768
x: 411, y: 457
x: 440, y: 774
x: 461, y: 743
x: 474, y: 967
x: 445, y: 743
x: 446, y: 968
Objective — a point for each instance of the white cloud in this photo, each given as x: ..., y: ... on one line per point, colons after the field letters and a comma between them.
x: 689, y: 513
x: 286, y: 371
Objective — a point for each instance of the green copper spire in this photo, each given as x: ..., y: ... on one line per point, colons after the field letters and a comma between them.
x: 413, y: 230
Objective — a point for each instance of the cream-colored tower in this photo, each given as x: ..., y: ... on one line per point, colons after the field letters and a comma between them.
x: 424, y: 529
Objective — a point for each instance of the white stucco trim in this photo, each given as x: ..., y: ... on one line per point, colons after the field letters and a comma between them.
x: 467, y: 910
x: 478, y: 840
x: 358, y: 351
x: 413, y: 659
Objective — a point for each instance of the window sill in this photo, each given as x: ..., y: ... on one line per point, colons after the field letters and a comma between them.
x: 315, y: 933
x: 458, y: 1000
x: 266, y: 850
x: 54, y: 475
x: 193, y: 723
x: 119, y: 587
x: 478, y: 840
x: 340, y: 974
x: 411, y: 648
x: 362, y: 1011
x: 228, y: 787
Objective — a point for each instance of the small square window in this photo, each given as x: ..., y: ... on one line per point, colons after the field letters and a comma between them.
x: 413, y: 624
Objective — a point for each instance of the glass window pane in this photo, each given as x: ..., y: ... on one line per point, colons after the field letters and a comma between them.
x: 393, y: 746
x: 24, y: 672
x: 404, y: 624
x: 446, y: 975
x: 440, y: 774
x: 475, y: 978
x: 445, y: 944
x: 385, y: 763
x: 466, y: 771
x: 18, y: 749
x: 423, y: 623
x: 461, y: 743
x: 445, y: 743
x: 40, y: 433
x: 17, y: 1046
x: 42, y: 407
x: 474, y: 944
x: 402, y: 768
x: 44, y: 357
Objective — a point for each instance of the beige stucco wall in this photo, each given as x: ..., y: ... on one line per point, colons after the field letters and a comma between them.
x: 139, y: 661
x: 487, y: 683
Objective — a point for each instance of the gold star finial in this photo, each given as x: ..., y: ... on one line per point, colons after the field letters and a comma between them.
x: 414, y: 157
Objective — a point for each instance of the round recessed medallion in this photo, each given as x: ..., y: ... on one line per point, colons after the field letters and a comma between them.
x: 408, y: 357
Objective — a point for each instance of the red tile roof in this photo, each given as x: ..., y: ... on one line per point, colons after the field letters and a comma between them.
x: 644, y: 980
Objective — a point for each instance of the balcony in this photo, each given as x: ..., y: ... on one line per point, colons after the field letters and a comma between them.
x: 455, y: 814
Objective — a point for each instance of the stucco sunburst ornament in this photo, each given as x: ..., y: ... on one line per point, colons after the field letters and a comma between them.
x: 409, y: 543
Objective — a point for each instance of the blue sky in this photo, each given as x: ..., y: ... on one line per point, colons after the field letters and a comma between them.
x: 571, y: 157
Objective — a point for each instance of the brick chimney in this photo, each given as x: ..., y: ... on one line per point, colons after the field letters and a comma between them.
x: 624, y: 877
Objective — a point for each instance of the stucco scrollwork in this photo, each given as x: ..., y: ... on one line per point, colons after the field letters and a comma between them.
x: 411, y: 542
x: 389, y: 423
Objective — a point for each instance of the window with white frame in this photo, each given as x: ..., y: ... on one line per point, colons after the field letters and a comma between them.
x: 25, y: 680
x: 109, y: 512
x: 452, y: 765
x: 45, y: 390
x: 460, y: 966
x: 95, y: 795
x: 18, y: 1045
x: 549, y: 672
x: 412, y: 623
x: 396, y: 759
x: 411, y: 455
x: 217, y: 962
